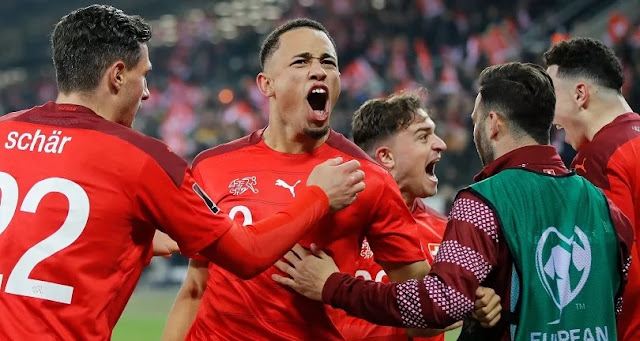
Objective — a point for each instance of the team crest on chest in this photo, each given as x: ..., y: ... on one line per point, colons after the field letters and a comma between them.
x: 240, y: 185
x: 366, y: 252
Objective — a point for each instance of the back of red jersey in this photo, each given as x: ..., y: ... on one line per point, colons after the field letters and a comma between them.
x: 431, y: 230
x: 252, y: 182
x: 78, y: 210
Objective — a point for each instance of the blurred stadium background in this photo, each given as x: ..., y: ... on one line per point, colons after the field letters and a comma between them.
x: 205, y: 58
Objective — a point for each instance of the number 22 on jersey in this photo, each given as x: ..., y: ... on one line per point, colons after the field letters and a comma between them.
x: 18, y: 281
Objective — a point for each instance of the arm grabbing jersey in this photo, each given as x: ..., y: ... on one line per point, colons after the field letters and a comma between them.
x: 185, y: 212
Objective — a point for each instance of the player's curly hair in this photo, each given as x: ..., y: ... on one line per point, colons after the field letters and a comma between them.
x: 523, y: 93
x: 88, y: 40
x: 588, y: 58
x: 380, y: 118
x: 271, y: 43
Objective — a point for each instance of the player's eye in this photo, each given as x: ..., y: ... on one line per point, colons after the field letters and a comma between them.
x: 329, y: 61
x: 299, y: 62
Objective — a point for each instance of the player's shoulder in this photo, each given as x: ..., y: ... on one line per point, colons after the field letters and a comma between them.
x: 428, y: 211
x: 616, y: 145
x: 158, y: 151
x: 123, y: 140
x: 622, y: 130
x: 13, y: 115
x: 229, y: 147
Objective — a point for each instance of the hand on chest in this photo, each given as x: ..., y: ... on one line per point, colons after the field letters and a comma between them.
x: 252, y: 196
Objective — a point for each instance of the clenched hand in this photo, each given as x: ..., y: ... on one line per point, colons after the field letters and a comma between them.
x: 163, y: 245
x: 341, y: 182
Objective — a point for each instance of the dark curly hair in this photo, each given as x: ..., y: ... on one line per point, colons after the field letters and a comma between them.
x: 589, y: 58
x: 524, y: 94
x: 86, y: 41
x: 271, y: 43
x: 380, y: 118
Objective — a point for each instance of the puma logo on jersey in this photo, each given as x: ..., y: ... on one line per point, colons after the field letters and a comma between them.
x: 581, y: 167
x: 291, y: 189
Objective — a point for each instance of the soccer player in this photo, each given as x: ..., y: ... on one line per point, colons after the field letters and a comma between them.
x: 605, y: 131
x: 400, y: 136
x: 547, y: 240
x: 254, y: 175
x: 81, y: 193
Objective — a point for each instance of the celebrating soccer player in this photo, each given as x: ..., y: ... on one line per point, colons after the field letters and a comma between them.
x: 81, y: 193
x: 548, y: 241
x: 254, y: 175
x: 605, y: 131
x: 400, y: 136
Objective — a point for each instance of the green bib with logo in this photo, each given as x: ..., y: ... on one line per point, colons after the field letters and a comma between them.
x: 565, y: 254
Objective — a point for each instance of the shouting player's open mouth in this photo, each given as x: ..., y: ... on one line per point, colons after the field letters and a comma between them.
x: 430, y: 169
x: 318, y: 99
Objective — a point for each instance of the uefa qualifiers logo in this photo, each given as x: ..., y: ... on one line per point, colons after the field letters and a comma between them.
x: 560, y: 261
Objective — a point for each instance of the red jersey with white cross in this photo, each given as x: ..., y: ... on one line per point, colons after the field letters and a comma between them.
x: 80, y: 200
x: 432, y: 226
x: 251, y: 181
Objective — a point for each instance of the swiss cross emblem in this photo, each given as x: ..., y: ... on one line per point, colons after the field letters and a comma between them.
x: 433, y: 249
x: 239, y: 186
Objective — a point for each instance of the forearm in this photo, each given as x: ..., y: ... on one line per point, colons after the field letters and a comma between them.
x: 406, y: 305
x: 181, y: 316
x: 249, y: 250
x: 466, y: 256
x: 368, y: 300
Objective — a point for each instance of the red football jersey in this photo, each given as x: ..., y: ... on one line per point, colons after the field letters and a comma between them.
x: 80, y: 199
x: 251, y: 181
x: 610, y: 161
x: 432, y: 226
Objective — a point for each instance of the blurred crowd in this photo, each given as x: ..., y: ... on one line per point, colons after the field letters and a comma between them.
x: 203, y: 90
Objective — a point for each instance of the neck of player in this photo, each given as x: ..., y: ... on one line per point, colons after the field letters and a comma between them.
x: 287, y: 139
x: 604, y: 111
x: 410, y: 201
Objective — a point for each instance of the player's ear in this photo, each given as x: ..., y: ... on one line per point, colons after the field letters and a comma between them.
x: 581, y: 95
x: 496, y: 124
x: 115, y: 75
x: 384, y: 157
x: 265, y: 84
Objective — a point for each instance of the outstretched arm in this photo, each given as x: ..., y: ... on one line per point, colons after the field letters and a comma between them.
x: 446, y: 295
